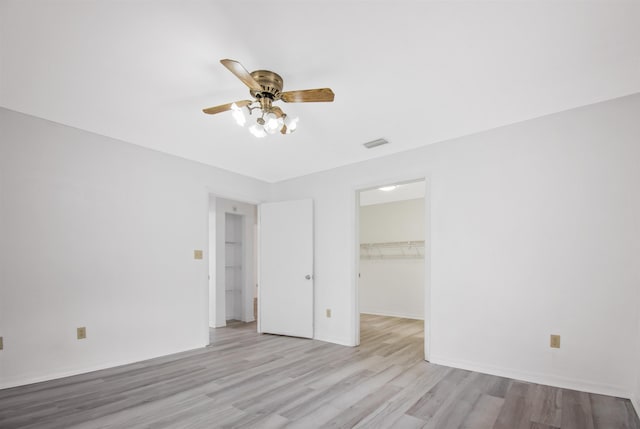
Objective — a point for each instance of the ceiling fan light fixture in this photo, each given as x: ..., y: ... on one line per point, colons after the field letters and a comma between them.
x: 290, y: 123
x: 272, y: 123
x: 238, y: 114
x: 257, y: 130
x: 266, y: 88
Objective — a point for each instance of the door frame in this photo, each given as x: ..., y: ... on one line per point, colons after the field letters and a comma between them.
x: 355, y: 289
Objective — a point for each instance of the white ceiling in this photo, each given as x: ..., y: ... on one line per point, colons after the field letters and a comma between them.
x: 414, y: 72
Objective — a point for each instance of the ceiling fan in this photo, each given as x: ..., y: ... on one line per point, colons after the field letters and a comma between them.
x: 265, y: 87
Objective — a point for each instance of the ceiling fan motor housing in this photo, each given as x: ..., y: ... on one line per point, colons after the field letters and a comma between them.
x: 270, y: 82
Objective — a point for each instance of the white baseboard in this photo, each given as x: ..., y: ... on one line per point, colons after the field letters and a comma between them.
x: 69, y: 373
x: 390, y: 314
x: 340, y: 341
x: 545, y: 379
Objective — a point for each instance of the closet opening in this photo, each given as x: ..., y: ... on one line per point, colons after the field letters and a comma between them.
x: 232, y: 264
x: 391, y: 267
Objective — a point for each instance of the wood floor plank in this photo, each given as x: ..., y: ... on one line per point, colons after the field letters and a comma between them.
x: 428, y: 405
x: 484, y: 413
x: 609, y: 412
x: 516, y: 411
x: 454, y: 411
x: 320, y: 397
x: 361, y: 409
x: 547, y: 405
x: 576, y: 410
x: 392, y: 411
x: 248, y: 380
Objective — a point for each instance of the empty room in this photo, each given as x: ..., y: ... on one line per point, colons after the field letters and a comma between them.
x: 381, y: 214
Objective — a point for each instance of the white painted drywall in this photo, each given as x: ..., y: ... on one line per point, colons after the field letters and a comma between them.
x: 397, y: 221
x: 534, y: 231
x: 249, y: 213
x: 100, y: 233
x: 392, y: 287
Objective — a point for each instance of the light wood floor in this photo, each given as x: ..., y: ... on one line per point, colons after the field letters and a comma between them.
x: 264, y: 381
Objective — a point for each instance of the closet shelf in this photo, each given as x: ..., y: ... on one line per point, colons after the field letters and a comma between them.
x: 393, y: 250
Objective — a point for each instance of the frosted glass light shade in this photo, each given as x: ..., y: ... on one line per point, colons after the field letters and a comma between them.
x: 257, y: 130
x: 238, y: 114
x: 291, y: 124
x: 271, y: 123
x: 262, y: 123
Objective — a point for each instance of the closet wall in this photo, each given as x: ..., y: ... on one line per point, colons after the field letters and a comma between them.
x: 392, y: 274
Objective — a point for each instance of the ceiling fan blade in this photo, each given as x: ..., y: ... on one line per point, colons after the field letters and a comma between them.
x: 241, y: 73
x: 308, y: 95
x: 225, y: 107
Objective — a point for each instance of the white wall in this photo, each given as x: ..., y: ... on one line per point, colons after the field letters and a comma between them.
x: 534, y: 231
x: 99, y: 233
x: 392, y: 287
x: 396, y: 221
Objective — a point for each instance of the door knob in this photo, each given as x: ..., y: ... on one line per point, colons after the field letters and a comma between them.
x: 308, y: 277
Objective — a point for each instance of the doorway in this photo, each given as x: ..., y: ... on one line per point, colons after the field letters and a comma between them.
x: 391, y: 264
x: 232, y: 262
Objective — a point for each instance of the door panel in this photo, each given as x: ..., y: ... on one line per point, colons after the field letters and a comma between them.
x: 286, y: 268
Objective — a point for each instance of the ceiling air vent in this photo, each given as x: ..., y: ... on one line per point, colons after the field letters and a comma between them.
x: 374, y: 143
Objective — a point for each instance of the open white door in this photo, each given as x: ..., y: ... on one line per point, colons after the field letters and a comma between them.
x: 286, y: 268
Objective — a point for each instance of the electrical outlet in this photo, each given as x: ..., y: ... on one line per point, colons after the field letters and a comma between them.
x: 81, y: 333
x: 1, y: 343
x: 555, y: 342
x: 328, y: 312
x: 197, y: 254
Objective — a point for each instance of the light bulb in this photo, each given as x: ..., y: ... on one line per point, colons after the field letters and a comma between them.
x: 238, y: 115
x: 271, y: 123
x: 291, y: 124
x: 257, y: 130
x: 388, y: 188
